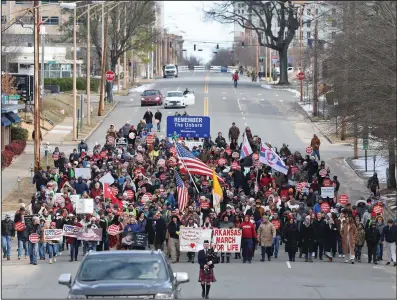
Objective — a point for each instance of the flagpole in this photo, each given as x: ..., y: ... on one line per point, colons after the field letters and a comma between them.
x: 191, y: 178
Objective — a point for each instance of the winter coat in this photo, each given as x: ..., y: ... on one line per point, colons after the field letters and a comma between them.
x: 148, y: 117
x: 319, y: 228
x: 389, y: 234
x: 315, y: 143
x: 307, y: 238
x: 126, y: 129
x: 360, y: 235
x: 372, y: 236
x: 266, y: 233
x: 291, y: 237
x: 7, y: 228
x: 331, y: 233
x: 234, y: 133
x: 348, y: 234
x: 248, y: 230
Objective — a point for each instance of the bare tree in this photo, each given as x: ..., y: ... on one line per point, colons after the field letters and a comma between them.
x: 262, y: 18
x: 245, y: 57
x: 131, y: 27
x: 222, y: 58
x: 191, y: 61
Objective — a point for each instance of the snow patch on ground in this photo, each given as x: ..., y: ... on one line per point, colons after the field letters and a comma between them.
x: 142, y: 88
x: 381, y: 164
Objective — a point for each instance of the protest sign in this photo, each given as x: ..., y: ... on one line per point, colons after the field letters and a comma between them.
x: 73, y: 199
x: 59, y: 199
x: 71, y: 231
x: 327, y: 192
x: 83, y: 172
x: 192, y: 239
x: 107, y: 178
x: 90, y: 234
x: 53, y: 234
x: 84, y: 206
x: 227, y: 240
x: 134, y: 239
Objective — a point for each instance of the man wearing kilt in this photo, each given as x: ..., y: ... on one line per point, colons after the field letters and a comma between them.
x: 206, y: 259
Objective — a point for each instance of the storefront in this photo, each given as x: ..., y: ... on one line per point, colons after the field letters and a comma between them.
x: 8, y: 117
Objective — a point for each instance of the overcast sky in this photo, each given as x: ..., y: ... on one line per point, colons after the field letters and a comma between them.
x: 186, y: 18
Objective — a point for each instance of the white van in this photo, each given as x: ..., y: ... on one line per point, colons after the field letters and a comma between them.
x: 170, y: 71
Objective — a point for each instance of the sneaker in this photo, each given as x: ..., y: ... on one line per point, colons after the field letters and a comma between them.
x: 4, y: 255
x: 395, y: 264
x: 35, y: 264
x: 249, y: 261
x: 244, y: 261
x: 19, y: 258
x: 71, y: 260
x: 339, y: 255
x: 343, y: 256
x: 375, y: 262
x: 55, y: 259
x: 388, y: 263
x: 346, y: 261
x: 50, y: 260
x: 8, y: 258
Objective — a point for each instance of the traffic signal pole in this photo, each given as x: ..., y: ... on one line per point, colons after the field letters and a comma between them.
x: 36, y: 96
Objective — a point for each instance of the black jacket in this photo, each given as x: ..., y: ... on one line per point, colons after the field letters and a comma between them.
x: 173, y: 229
x: 372, y: 236
x: 158, y: 116
x: 7, y: 228
x: 291, y: 237
x: 203, y: 258
x: 389, y: 234
x: 319, y: 229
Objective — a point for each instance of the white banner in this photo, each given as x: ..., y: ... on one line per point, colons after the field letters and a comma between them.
x: 192, y: 239
x: 327, y: 192
x: 107, y: 178
x: 84, y: 206
x: 83, y: 172
x: 227, y: 240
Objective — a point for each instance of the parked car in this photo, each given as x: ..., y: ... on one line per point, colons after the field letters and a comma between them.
x: 151, y: 97
x: 143, y: 274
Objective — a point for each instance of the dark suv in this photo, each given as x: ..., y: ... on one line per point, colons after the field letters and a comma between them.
x: 127, y: 274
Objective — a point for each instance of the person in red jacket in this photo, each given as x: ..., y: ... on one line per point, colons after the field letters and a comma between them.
x: 247, y: 238
x: 235, y: 79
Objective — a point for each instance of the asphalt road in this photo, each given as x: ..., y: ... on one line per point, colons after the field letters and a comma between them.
x: 274, y: 115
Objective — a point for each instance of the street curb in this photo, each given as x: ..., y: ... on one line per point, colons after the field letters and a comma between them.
x: 95, y: 128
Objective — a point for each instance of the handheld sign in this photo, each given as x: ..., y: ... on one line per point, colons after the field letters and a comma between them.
x: 19, y: 226
x: 222, y: 162
x: 343, y: 199
x: 325, y: 207
x: 309, y: 150
x: 323, y: 172
x: 378, y: 209
x: 113, y: 230
x: 34, y: 238
x: 276, y: 224
x: 235, y: 166
x: 204, y: 205
x: 149, y: 139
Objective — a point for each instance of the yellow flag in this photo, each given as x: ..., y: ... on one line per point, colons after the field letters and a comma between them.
x: 217, y: 193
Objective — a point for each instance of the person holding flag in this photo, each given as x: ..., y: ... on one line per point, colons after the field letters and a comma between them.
x: 217, y: 193
x: 269, y: 157
x: 246, y: 149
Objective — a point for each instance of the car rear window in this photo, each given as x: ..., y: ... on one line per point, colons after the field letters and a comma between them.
x: 174, y: 94
x: 123, y: 268
x: 149, y: 93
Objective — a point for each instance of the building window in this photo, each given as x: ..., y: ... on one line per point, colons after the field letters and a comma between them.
x: 333, y: 23
x: 3, y: 19
x: 308, y: 34
x: 3, y: 1
x: 238, y: 11
x: 333, y: 11
x: 242, y: 11
x: 309, y: 24
x: 50, y: 20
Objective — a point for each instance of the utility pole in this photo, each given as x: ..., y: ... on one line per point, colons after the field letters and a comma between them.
x: 125, y: 52
x: 118, y: 60
x: 88, y: 80
x: 315, y: 66
x: 75, y: 75
x: 101, y: 106
x: 266, y: 59
x: 301, y: 49
x: 37, y: 134
x: 257, y: 57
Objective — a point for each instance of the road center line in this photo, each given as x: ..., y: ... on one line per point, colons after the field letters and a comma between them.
x: 288, y: 265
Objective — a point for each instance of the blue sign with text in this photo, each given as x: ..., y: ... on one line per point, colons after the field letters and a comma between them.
x: 188, y: 126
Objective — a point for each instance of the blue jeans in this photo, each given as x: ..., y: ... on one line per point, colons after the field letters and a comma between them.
x: 88, y: 246
x: 379, y: 251
x: 246, y: 246
x: 6, y: 244
x: 23, y: 245
x: 158, y: 126
x: 42, y: 250
x: 339, y: 245
x: 74, y: 248
x: 149, y: 127
x: 52, y: 250
x: 276, y: 244
x: 34, y: 251
x: 235, y: 83
x: 316, y: 153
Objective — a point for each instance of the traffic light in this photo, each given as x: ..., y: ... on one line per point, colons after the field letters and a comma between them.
x: 194, y: 47
x: 217, y: 46
x: 242, y: 44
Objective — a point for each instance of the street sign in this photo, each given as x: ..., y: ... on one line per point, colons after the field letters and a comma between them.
x: 13, y: 97
x: 365, y: 138
x: 301, y: 75
x: 52, y: 62
x: 110, y: 76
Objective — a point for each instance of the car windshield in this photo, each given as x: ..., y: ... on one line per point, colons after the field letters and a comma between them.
x: 170, y: 68
x: 174, y: 94
x: 149, y: 93
x: 122, y: 268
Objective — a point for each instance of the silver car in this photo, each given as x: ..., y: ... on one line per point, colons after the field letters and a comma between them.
x: 126, y: 274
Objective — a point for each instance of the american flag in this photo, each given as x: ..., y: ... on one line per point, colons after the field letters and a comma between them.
x: 190, y: 163
x: 182, y: 192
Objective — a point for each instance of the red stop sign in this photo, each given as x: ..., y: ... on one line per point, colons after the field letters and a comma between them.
x: 301, y: 75
x: 110, y: 76
x: 343, y: 199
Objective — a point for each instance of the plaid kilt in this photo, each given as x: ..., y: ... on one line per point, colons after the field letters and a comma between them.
x: 207, y: 278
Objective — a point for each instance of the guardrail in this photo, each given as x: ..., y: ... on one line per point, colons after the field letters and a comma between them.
x: 182, y: 69
x: 199, y: 68
x: 215, y: 69
x: 231, y: 69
